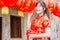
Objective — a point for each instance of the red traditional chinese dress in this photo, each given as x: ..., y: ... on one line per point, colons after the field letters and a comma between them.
x: 38, y: 25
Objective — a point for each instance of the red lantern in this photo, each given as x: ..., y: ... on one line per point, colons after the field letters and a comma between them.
x: 51, y: 7
x: 26, y: 5
x: 57, y: 9
x: 19, y: 5
x: 32, y: 5
x: 8, y: 3
x: 1, y: 3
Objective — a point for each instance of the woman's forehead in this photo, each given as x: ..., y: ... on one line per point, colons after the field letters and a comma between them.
x: 38, y: 4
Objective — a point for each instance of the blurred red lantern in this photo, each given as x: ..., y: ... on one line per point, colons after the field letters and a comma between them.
x: 8, y: 3
x: 19, y: 5
x: 57, y: 9
x: 26, y: 5
x: 1, y: 3
x: 32, y: 5
x: 51, y: 7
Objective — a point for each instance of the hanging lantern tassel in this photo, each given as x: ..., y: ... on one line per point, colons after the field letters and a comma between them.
x: 5, y: 10
x: 20, y: 13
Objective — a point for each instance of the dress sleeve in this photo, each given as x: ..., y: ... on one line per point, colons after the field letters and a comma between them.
x: 33, y: 23
x: 46, y: 22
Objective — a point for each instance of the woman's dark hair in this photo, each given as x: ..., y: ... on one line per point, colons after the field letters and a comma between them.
x: 46, y: 11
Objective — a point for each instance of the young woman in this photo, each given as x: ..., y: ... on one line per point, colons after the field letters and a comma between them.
x: 39, y: 23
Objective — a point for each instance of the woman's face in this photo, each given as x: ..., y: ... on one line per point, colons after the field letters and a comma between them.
x: 39, y: 9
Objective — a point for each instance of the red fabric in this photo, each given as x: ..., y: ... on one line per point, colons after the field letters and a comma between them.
x: 41, y: 39
x: 37, y: 28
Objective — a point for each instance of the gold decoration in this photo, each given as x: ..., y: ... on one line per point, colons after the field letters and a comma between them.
x: 20, y: 13
x: 5, y: 10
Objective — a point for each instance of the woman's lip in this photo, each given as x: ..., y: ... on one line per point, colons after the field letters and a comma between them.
x: 37, y: 10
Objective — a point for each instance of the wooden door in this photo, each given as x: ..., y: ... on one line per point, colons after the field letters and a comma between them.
x: 15, y: 27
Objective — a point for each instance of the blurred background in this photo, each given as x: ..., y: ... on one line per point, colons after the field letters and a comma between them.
x: 13, y: 17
